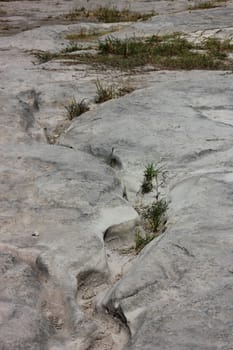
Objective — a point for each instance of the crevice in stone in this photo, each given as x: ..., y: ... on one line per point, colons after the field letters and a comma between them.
x: 112, y: 332
x: 185, y: 250
x: 113, y: 160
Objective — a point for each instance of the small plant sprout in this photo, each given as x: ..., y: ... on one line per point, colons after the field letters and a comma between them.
x: 155, y: 215
x: 150, y: 174
x: 153, y: 179
x: 154, y: 222
x: 75, y: 109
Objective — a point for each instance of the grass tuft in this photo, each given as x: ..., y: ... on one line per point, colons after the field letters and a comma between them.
x: 217, y: 48
x: 75, y: 109
x: 111, y: 15
x: 154, y: 220
x: 108, y: 15
x: 164, y: 52
x: 105, y: 93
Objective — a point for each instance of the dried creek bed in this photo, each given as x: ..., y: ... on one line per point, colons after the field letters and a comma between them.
x: 68, y: 276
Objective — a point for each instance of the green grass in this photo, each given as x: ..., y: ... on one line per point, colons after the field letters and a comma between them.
x: 150, y: 174
x: 75, y: 109
x: 154, y: 221
x: 163, y: 52
x: 155, y: 46
x: 108, y: 15
x: 217, y: 48
x: 171, y: 52
x: 155, y: 215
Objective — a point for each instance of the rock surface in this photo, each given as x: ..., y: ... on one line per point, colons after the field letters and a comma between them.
x: 68, y: 276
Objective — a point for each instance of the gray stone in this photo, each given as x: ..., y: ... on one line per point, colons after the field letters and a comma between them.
x: 176, y: 293
x: 198, y: 22
x: 69, y: 278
